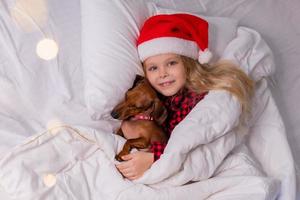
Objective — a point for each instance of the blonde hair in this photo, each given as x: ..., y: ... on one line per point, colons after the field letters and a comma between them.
x: 222, y: 75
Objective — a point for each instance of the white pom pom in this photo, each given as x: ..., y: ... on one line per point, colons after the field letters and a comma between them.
x: 204, y: 56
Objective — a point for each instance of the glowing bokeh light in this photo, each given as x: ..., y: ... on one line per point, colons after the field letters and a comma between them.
x: 49, y: 180
x: 30, y: 15
x: 47, y: 49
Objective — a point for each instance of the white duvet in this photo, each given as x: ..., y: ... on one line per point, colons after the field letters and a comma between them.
x: 205, y: 158
x: 50, y: 148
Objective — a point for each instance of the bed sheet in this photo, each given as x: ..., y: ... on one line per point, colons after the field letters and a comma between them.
x: 276, y: 20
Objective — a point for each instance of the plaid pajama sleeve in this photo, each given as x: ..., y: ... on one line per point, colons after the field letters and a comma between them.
x: 157, y: 148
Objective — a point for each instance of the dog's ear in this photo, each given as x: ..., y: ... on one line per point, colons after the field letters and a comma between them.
x: 159, y: 112
x: 138, y: 78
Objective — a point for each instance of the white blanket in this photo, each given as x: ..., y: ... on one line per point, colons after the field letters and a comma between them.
x: 67, y: 163
x: 205, y: 158
x: 63, y: 163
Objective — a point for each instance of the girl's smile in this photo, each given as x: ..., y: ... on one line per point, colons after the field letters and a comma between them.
x: 166, y: 83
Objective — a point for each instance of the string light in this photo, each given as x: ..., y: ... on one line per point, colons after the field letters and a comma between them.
x: 54, y: 126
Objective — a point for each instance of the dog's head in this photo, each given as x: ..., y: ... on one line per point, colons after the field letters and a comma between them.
x: 141, y: 98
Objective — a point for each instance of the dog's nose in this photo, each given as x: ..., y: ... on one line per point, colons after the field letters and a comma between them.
x: 114, y: 114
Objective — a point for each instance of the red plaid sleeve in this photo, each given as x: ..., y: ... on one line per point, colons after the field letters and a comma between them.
x: 157, y: 148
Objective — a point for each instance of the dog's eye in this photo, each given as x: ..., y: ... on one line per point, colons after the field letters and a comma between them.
x: 136, y: 107
x: 139, y: 107
x: 131, y: 106
x: 145, y: 106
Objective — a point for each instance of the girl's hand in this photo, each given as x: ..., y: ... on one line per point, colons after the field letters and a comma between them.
x: 135, y: 164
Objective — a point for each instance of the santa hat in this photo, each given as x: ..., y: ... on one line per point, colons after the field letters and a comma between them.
x: 181, y: 34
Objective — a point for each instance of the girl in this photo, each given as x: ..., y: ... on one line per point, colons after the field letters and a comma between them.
x: 174, y: 52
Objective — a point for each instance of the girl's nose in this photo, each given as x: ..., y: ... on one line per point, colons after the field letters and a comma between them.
x: 163, y: 73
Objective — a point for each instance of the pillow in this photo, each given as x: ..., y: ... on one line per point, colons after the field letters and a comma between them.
x: 192, y: 6
x: 109, y: 56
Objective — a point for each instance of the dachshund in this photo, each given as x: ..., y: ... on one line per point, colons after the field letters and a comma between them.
x: 141, y: 113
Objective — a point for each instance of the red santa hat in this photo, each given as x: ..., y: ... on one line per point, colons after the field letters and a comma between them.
x: 182, y: 34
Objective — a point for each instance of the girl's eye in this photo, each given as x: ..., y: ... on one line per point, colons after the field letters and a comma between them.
x: 171, y: 63
x: 152, y: 68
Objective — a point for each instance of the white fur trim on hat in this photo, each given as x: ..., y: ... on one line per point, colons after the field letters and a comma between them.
x: 168, y: 45
x: 205, y: 56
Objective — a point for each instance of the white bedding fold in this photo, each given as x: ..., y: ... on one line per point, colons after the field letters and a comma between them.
x: 251, y: 53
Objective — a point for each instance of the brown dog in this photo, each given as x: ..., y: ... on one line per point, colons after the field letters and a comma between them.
x: 142, y: 112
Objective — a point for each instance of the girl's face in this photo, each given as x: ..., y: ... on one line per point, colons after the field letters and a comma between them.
x: 166, y: 73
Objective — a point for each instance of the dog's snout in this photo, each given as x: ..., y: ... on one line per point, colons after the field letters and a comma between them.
x: 114, y: 114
